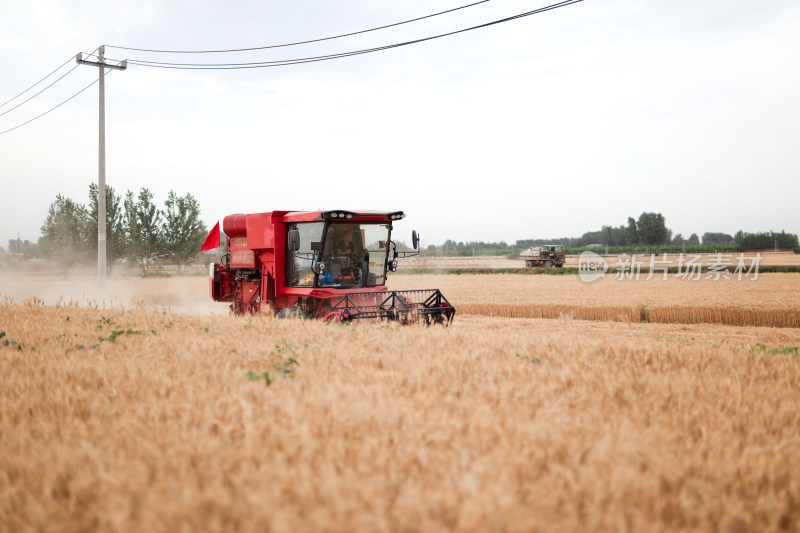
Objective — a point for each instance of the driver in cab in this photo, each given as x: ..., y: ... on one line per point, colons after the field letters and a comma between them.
x: 340, y: 253
x: 345, y: 246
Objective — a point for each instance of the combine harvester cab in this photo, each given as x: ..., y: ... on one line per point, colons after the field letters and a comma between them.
x: 330, y: 265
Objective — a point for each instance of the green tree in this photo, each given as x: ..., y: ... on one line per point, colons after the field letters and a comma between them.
x: 27, y: 248
x: 693, y: 239
x: 142, y: 222
x: 717, y: 238
x: 183, y: 231
x: 765, y: 240
x: 115, y: 229
x: 130, y: 224
x: 632, y: 232
x: 652, y: 229
x: 64, y: 232
x: 616, y: 236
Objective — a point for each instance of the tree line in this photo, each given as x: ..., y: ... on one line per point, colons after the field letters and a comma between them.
x: 137, y: 231
x: 649, y: 231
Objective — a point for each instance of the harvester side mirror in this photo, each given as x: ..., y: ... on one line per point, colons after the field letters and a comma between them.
x: 414, y: 240
x: 293, y: 240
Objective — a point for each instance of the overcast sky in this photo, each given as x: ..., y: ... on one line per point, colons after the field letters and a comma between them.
x: 550, y: 125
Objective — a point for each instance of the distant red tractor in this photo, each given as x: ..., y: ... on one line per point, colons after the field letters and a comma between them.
x: 330, y: 265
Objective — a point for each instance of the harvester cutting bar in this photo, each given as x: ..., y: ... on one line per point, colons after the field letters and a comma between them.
x: 402, y: 306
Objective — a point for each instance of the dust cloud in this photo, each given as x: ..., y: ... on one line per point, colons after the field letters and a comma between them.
x: 180, y: 294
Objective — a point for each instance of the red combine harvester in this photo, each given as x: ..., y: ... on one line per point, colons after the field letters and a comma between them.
x: 320, y: 264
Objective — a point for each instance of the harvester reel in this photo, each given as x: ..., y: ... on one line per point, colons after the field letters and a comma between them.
x: 425, y: 305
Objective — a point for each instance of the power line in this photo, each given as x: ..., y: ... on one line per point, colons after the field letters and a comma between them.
x: 295, y: 43
x: 286, y: 62
x: 264, y: 64
x: 37, y: 83
x: 51, y: 109
x: 40, y: 92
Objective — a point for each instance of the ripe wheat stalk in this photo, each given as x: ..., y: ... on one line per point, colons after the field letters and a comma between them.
x: 141, y: 420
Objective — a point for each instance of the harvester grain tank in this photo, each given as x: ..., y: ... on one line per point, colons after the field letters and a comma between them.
x: 330, y: 265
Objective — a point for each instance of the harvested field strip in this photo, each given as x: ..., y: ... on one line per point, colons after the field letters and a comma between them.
x: 615, y: 313
x: 734, y: 316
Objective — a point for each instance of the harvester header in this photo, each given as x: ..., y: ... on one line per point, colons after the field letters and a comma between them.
x: 321, y: 264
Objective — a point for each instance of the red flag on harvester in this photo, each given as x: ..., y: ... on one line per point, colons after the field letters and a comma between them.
x: 212, y: 241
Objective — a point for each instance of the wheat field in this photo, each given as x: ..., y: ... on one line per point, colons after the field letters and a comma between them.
x: 771, y: 300
x: 137, y: 417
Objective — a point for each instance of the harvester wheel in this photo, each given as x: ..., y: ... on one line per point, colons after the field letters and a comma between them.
x: 332, y: 317
x: 340, y: 317
x: 548, y: 264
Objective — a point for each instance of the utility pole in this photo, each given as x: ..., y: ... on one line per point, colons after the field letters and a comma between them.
x: 101, y: 170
